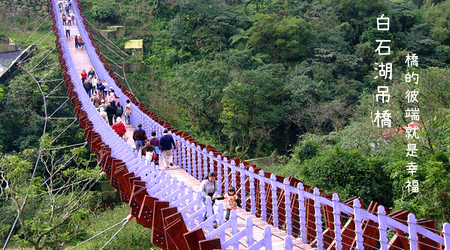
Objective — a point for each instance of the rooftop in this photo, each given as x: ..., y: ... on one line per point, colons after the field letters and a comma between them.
x: 134, y: 44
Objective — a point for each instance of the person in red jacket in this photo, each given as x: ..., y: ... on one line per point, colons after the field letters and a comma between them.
x: 83, y: 75
x: 119, y: 128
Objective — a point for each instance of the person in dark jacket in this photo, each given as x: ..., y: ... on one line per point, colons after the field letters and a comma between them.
x: 139, y: 137
x: 167, y: 143
x: 110, y: 112
x: 87, y: 86
x: 119, y: 110
x: 100, y: 88
x: 155, y: 143
x: 91, y: 72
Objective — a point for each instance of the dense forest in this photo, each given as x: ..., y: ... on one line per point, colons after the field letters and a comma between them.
x: 293, y: 77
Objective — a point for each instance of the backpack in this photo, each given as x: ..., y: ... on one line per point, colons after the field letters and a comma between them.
x: 119, y: 110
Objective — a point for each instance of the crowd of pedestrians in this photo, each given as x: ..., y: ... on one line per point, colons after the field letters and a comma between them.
x: 69, y: 20
x: 110, y: 109
x: 105, y: 100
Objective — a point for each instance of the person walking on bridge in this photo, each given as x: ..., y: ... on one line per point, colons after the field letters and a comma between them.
x: 87, y: 86
x: 167, y: 143
x: 119, y: 128
x: 100, y: 89
x: 104, y: 89
x: 73, y: 19
x: 80, y: 42
x: 67, y: 31
x: 94, y: 82
x: 83, y: 75
x: 110, y: 112
x: 209, y: 188
x: 139, y: 137
x: 91, y: 72
x: 119, y: 110
x: 128, y: 112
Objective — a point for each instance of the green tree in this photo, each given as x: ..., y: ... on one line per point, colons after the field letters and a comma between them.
x: 105, y: 12
x: 359, y: 12
x: 197, y: 88
x: 252, y: 109
x: 348, y: 173
x: 283, y: 38
x: 53, y: 208
x: 438, y: 19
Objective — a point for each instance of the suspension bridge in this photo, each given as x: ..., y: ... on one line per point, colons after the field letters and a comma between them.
x: 276, y: 213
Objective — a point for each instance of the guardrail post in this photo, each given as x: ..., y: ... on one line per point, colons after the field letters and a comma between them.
x: 267, y: 238
x: 252, y: 191
x: 243, y: 195
x: 358, y: 224
x: 302, y: 214
x: 337, y: 221
x: 288, y: 245
x: 249, y: 229
x: 225, y: 174
x: 189, y: 158
x: 262, y: 189
x: 199, y: 163
x: 318, y: 216
x: 210, y: 155
x: 234, y: 227
x: 412, y: 231
x: 194, y: 159
x: 274, y: 200
x: 183, y: 154
x: 233, y: 173
x: 382, y: 228
x: 205, y: 168
x: 287, y: 206
x: 179, y: 152
x: 446, y: 233
x: 219, y: 172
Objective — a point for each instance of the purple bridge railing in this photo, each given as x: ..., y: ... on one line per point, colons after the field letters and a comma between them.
x: 172, y: 210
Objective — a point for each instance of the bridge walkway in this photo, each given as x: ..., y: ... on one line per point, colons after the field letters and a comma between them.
x: 82, y: 62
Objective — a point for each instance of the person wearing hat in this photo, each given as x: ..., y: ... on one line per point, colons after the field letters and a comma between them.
x: 119, y: 127
x: 167, y: 143
x: 102, y: 105
x: 102, y: 113
x: 139, y: 137
x: 111, y: 97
